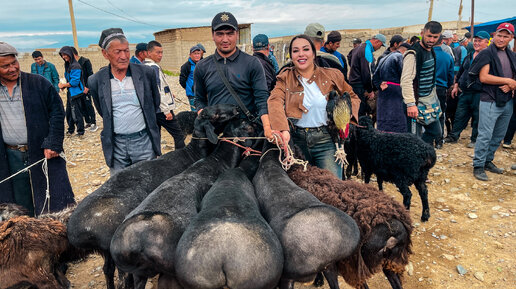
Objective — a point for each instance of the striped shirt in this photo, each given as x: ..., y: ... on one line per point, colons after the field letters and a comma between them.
x: 426, y: 84
x: 12, y: 116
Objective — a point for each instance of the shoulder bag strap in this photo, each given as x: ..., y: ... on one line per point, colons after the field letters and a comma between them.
x: 232, y: 91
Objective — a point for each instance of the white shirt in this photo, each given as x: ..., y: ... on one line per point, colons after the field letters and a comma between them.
x: 315, y: 102
x: 127, y: 111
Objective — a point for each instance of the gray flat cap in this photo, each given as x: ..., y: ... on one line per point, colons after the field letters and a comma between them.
x: 7, y: 49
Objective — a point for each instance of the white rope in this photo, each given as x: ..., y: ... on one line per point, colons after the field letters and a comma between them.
x: 22, y: 171
x: 289, y: 156
x: 44, y: 167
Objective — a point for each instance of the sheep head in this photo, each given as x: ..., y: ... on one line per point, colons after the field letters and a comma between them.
x: 212, y: 120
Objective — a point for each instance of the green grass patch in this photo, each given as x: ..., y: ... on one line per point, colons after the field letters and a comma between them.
x: 170, y: 73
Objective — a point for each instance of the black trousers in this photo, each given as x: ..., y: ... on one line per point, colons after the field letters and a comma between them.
x: 441, y: 94
x: 87, y: 109
x: 364, y: 107
x: 467, y: 108
x: 74, y: 115
x: 451, y: 110
x: 173, y: 128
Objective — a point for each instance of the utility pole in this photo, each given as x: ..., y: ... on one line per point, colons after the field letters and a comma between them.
x: 74, y: 30
x: 430, y: 10
x: 460, y: 15
x: 472, y: 18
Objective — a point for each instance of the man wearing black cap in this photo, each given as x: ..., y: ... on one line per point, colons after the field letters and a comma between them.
x: 261, y: 51
x: 32, y: 118
x: 126, y: 96
x: 186, y: 77
x: 45, y: 69
x: 140, y: 54
x: 396, y: 41
x: 243, y: 72
x: 495, y: 67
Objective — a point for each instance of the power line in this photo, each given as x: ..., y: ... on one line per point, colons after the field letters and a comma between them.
x: 121, y: 10
x: 119, y: 16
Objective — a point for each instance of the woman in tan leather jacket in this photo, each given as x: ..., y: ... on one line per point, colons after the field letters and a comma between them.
x: 300, y: 96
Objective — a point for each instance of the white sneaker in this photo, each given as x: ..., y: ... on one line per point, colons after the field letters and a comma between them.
x: 94, y: 128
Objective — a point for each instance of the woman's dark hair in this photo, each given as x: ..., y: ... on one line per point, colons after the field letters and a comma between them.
x: 305, y: 37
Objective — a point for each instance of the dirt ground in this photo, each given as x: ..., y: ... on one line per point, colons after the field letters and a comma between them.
x: 472, y: 223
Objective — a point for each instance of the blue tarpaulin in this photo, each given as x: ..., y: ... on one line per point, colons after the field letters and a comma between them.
x: 491, y: 25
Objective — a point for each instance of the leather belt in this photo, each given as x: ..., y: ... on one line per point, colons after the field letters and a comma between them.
x: 22, y: 148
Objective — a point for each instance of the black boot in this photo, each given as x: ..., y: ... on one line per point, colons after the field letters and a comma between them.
x: 480, y: 174
x: 490, y: 167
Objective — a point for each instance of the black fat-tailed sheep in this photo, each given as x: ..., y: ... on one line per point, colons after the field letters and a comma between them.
x: 399, y: 158
x: 96, y: 218
x: 385, y: 225
x: 229, y: 244
x: 145, y: 243
x: 314, y: 235
x: 35, y: 251
x: 186, y: 120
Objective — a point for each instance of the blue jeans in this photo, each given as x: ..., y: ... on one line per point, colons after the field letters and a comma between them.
x: 130, y: 149
x: 318, y: 148
x: 492, y: 126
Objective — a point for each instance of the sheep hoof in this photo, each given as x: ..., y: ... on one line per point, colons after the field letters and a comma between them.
x: 425, y: 216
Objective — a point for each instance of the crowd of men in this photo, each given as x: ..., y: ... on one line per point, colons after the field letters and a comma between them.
x: 421, y: 85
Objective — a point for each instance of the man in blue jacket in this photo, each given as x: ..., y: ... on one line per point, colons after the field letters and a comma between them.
x: 45, y: 69
x: 186, y: 77
x: 127, y: 98
x: 32, y: 128
x: 443, y: 81
x: 74, y: 83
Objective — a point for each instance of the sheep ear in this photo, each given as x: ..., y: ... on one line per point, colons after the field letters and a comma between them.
x: 209, y: 129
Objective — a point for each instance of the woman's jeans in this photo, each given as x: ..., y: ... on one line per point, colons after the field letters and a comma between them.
x: 318, y: 148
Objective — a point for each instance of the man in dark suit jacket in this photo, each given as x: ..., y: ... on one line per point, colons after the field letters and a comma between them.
x: 31, y: 128
x: 127, y: 98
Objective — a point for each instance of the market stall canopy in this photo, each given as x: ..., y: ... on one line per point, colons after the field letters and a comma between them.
x: 491, y: 25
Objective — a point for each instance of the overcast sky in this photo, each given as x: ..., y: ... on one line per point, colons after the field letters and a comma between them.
x: 29, y: 24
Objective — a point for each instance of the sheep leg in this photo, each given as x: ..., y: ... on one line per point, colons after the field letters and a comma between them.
x: 319, y: 280
x: 109, y: 271
x: 367, y: 176
x: 423, y: 194
x: 380, y: 183
x: 286, y: 284
x: 407, y: 195
x: 125, y: 280
x: 393, y: 278
x: 168, y: 282
x: 330, y: 273
x: 139, y: 281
